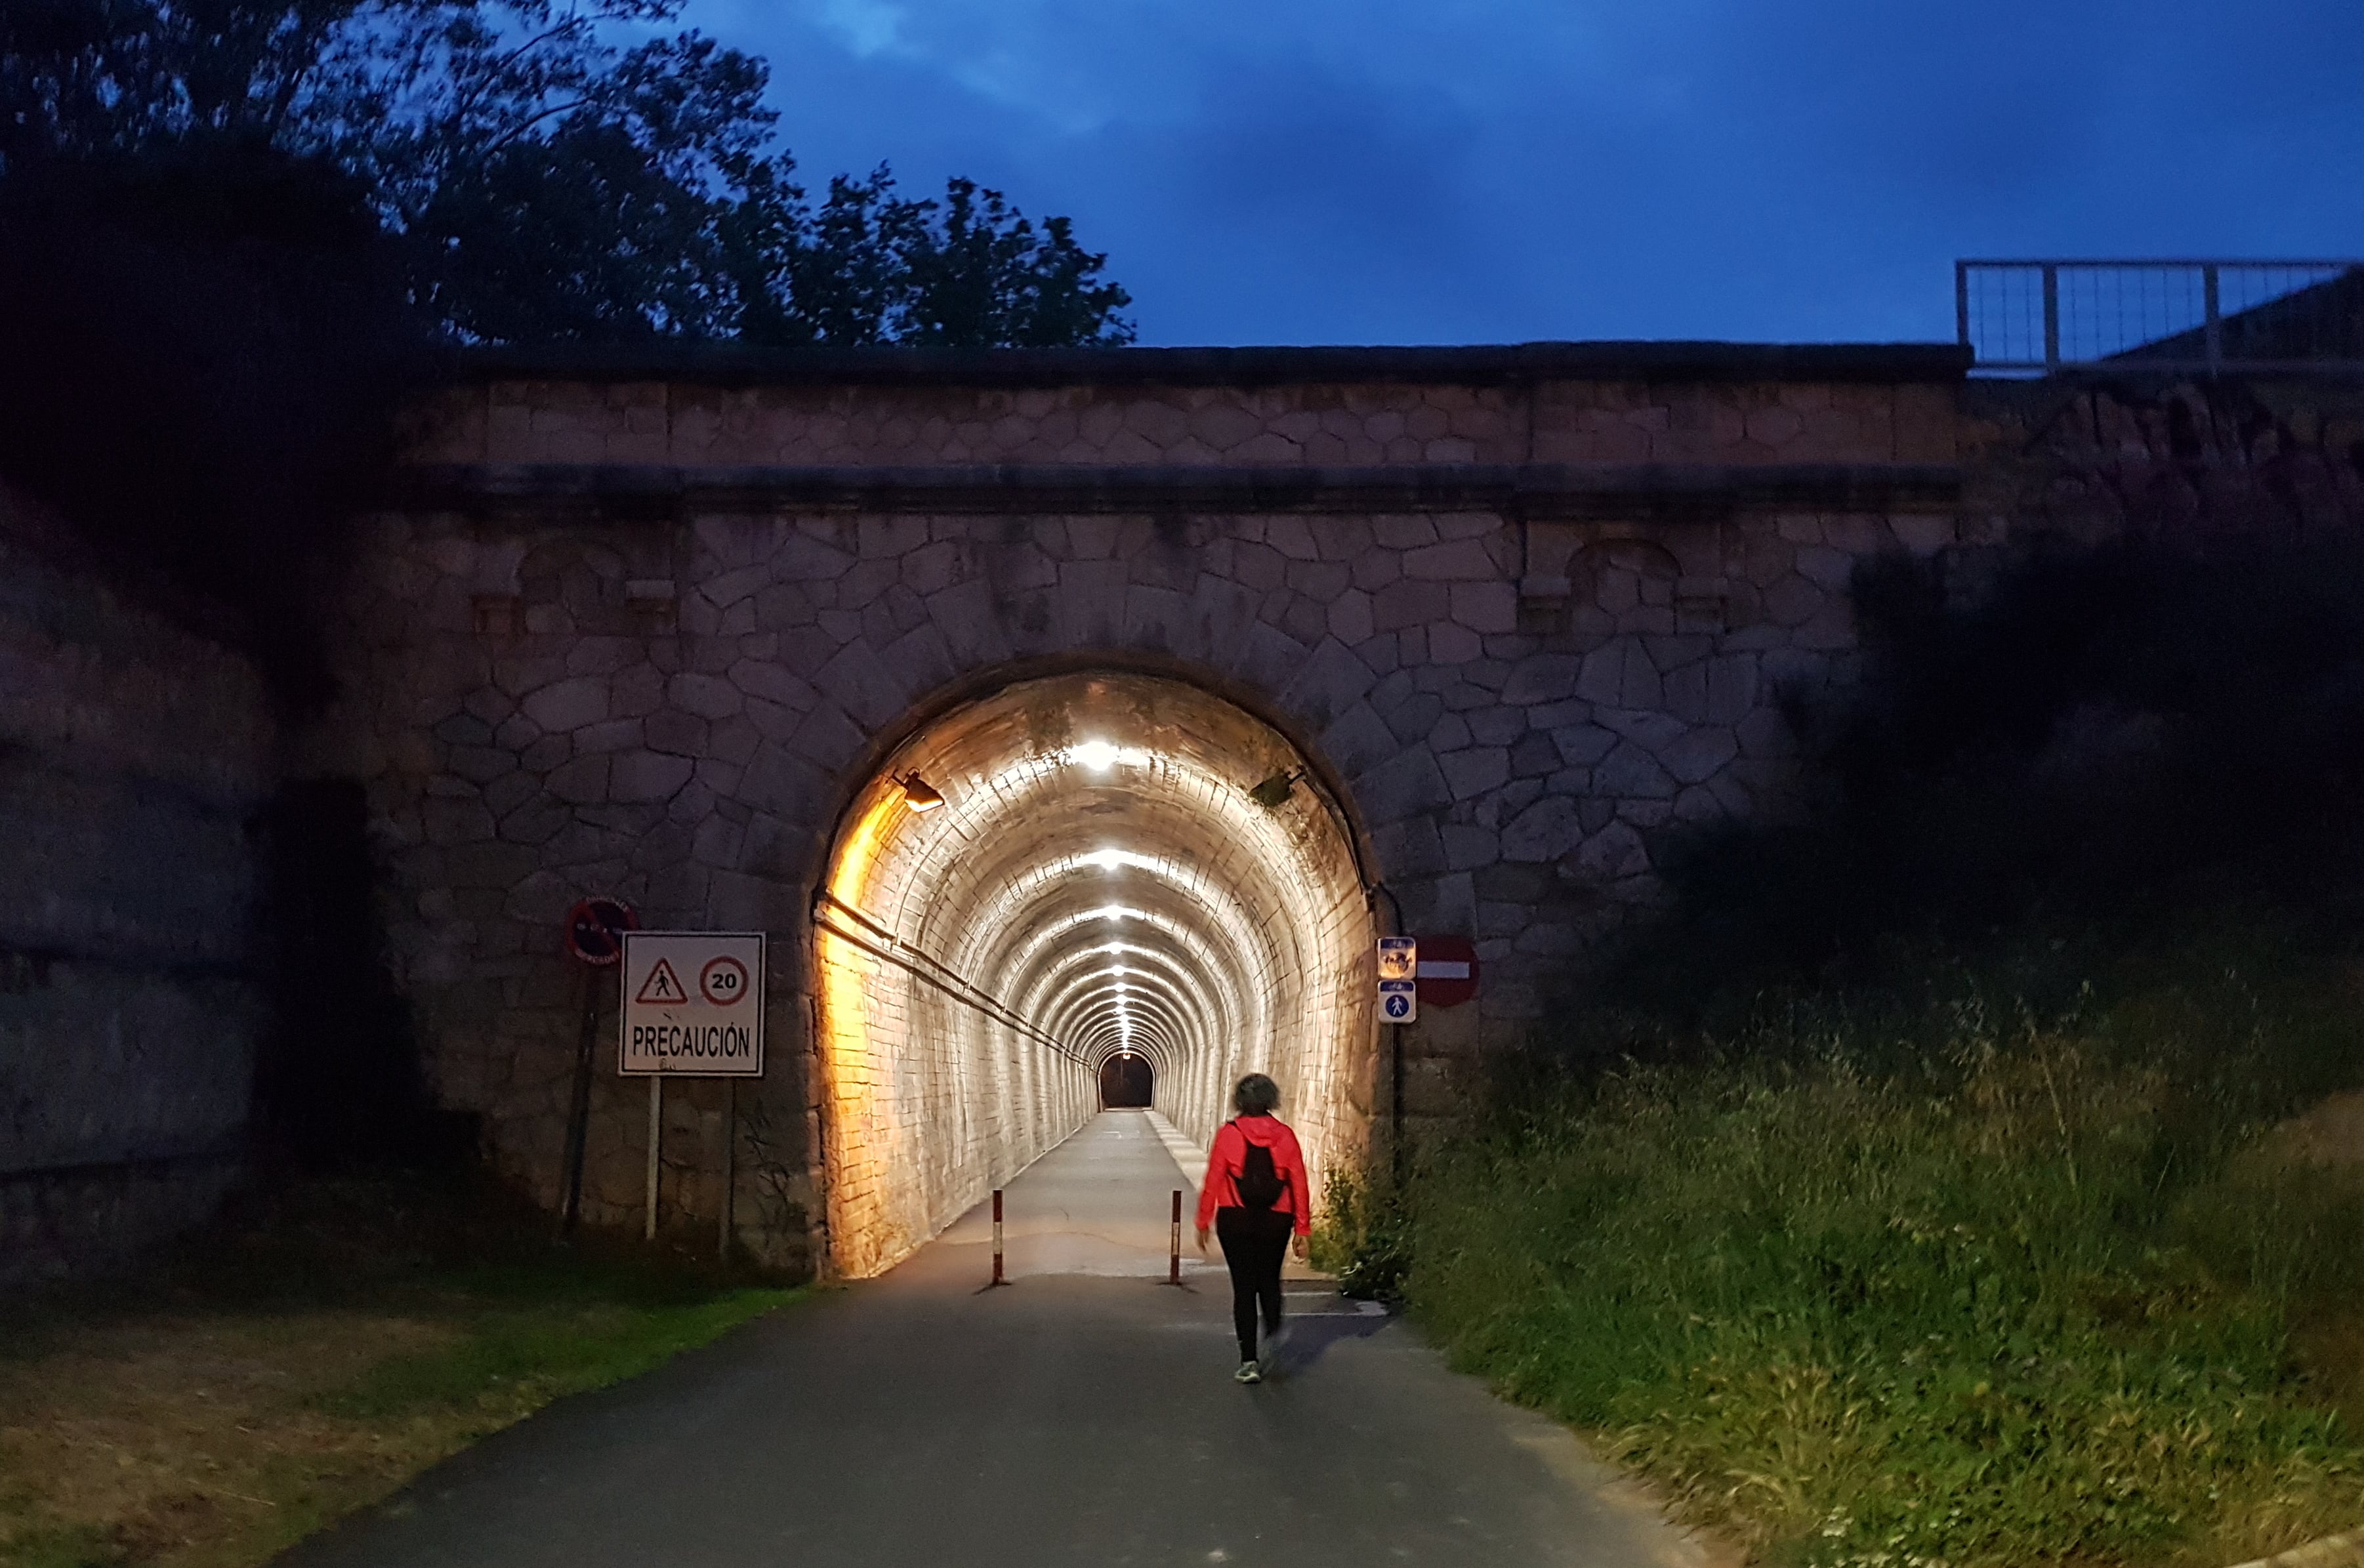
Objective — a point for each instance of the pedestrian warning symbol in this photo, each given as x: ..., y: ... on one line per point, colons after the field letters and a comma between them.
x: 663, y: 988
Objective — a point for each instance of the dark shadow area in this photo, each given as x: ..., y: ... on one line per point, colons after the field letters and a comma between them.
x: 1125, y: 1084
x: 1309, y: 1334
x: 203, y: 375
x: 339, y: 1086
x: 2092, y: 740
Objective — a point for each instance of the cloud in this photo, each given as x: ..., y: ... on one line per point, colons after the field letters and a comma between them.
x: 1470, y: 170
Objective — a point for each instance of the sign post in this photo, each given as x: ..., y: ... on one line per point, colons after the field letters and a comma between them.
x: 693, y: 1008
x: 1399, y: 1006
x: 594, y: 935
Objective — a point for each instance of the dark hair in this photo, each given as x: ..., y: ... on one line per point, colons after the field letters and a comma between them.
x: 1256, y: 1095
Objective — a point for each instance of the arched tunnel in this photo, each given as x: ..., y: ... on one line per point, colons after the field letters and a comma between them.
x: 1072, y: 872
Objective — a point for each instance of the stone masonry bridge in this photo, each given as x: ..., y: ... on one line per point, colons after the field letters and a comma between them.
x: 675, y: 627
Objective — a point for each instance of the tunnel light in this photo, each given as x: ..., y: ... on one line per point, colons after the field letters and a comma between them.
x: 1096, y: 755
x: 919, y: 794
x: 1106, y: 860
x: 1273, y: 792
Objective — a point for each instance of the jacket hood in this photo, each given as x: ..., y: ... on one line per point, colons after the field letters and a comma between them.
x: 1262, y: 1131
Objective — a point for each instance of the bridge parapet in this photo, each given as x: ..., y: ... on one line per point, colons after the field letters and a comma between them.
x: 1668, y: 404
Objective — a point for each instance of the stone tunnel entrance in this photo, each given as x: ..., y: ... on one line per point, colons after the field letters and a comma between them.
x: 1096, y: 879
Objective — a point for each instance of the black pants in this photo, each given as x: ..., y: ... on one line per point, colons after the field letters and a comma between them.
x: 1255, y: 1241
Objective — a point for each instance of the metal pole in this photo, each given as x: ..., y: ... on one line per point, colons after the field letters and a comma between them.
x: 1396, y: 1150
x: 2213, y: 302
x: 997, y: 1237
x: 578, y: 1107
x: 730, y: 1161
x: 1962, y: 304
x: 656, y: 1132
x: 1174, y: 1260
x: 2051, y: 317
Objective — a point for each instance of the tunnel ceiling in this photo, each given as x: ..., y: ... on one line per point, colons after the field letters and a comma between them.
x: 1099, y: 868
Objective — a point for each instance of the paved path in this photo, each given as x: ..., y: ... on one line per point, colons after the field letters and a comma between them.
x: 1085, y: 1414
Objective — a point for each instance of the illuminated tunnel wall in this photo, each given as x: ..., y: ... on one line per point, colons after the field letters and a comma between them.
x: 1097, y: 881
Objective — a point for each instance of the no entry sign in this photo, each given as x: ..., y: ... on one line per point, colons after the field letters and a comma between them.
x: 1447, y: 971
x: 693, y: 1003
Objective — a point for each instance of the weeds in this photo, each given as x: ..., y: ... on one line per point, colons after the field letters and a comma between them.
x: 2023, y: 1287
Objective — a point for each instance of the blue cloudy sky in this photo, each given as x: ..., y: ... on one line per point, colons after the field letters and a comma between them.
x: 1473, y: 170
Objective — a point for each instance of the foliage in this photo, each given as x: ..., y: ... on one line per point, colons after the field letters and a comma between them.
x: 1364, y: 1238
x: 236, y: 234
x: 2033, y: 1294
x: 201, y: 363
x: 551, y: 169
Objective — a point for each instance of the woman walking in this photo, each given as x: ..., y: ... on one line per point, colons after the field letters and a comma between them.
x: 1255, y: 1196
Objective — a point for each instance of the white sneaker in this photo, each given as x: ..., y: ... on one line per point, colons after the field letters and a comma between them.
x: 1249, y: 1372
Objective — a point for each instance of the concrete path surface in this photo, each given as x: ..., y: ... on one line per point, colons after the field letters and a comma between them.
x: 1083, y: 1415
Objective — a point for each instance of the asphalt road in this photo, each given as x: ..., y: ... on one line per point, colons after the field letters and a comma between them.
x: 1085, y: 1414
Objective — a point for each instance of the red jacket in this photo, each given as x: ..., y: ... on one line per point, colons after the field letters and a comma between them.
x: 1229, y: 1157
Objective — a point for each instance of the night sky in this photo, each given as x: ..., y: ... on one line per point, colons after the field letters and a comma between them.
x: 1473, y: 170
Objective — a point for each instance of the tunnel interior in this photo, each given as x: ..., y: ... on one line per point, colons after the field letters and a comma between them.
x: 1127, y: 1082
x: 1039, y: 883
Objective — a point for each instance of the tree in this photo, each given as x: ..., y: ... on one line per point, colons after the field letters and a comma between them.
x: 544, y: 180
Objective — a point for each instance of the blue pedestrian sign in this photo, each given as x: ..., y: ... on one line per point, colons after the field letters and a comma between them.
x: 1398, y: 1001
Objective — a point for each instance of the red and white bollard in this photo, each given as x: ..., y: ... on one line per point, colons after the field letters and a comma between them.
x: 1174, y: 1258
x: 997, y: 1237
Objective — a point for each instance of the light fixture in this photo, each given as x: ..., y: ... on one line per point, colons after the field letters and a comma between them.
x: 1277, y: 789
x: 919, y: 794
x: 1098, y: 755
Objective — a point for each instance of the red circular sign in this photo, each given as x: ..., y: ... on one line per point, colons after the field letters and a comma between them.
x: 596, y: 928
x: 1448, y: 971
x: 723, y: 982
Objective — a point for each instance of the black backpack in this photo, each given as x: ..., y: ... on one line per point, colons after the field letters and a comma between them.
x: 1259, y: 1183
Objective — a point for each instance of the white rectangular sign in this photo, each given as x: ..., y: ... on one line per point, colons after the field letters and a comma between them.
x: 1399, y: 957
x: 693, y: 1003
x: 1398, y: 1002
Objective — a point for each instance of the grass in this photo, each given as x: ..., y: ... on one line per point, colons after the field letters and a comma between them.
x: 306, y: 1362
x: 1930, y: 1277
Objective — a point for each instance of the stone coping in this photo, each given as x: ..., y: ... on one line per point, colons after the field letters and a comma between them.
x: 1580, y: 491
x: 1493, y: 364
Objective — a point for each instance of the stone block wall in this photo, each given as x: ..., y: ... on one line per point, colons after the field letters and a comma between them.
x: 134, y: 754
x: 599, y: 653
x: 2181, y: 462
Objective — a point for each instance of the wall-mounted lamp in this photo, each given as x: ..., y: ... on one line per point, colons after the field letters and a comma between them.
x: 919, y: 794
x: 1277, y: 789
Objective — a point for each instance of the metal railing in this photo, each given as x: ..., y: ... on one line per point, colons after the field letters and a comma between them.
x: 2021, y: 317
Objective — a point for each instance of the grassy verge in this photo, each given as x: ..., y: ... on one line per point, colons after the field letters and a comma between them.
x: 307, y: 1363
x: 1936, y: 1278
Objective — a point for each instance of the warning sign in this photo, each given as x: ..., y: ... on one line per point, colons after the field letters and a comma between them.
x: 663, y: 988
x: 713, y: 1030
